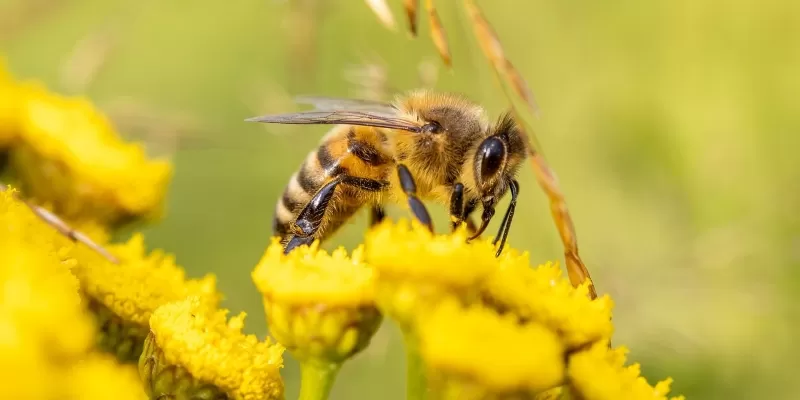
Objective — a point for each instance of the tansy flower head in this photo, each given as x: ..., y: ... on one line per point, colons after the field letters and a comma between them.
x: 542, y: 294
x: 474, y: 353
x: 123, y: 296
x: 416, y: 268
x: 70, y: 156
x: 599, y: 373
x: 193, y: 352
x: 319, y: 305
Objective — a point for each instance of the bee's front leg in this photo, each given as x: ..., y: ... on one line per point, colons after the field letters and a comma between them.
x: 505, y: 225
x: 410, y: 189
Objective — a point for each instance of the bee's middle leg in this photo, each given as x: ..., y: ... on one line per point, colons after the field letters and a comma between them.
x: 410, y: 189
x: 310, y: 218
x: 377, y: 215
x: 457, y: 211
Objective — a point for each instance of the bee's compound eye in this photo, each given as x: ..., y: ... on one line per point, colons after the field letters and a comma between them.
x: 432, y: 127
x: 492, y: 153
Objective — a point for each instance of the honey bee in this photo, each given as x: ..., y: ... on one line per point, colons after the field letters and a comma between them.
x: 426, y: 145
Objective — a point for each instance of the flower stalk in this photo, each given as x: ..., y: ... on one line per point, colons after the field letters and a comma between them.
x: 416, y: 383
x: 317, y: 379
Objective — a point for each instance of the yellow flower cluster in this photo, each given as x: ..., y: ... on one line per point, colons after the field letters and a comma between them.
x: 193, y: 336
x: 65, y: 154
x: 62, y: 302
x: 46, y: 334
x: 501, y: 329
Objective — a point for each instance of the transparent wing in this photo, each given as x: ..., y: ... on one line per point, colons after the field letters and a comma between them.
x: 322, y: 103
x: 337, y: 111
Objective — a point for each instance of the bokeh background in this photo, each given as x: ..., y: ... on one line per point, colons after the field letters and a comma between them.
x: 672, y: 126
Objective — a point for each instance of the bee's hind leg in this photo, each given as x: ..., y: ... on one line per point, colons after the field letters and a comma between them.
x: 310, y: 218
x: 297, y: 241
x: 410, y: 189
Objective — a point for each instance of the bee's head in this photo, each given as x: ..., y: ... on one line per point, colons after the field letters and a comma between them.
x: 497, y: 159
x: 448, y: 124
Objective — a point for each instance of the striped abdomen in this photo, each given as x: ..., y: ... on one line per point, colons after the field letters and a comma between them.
x: 347, y: 150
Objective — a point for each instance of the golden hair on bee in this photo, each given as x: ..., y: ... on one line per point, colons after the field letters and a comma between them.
x: 425, y: 145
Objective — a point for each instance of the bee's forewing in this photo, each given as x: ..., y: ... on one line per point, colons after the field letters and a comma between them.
x: 329, y: 110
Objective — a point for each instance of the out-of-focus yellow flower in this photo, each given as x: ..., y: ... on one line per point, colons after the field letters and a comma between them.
x: 542, y: 294
x: 12, y: 97
x: 193, y: 350
x: 416, y: 268
x: 123, y: 296
x: 319, y: 305
x: 474, y: 353
x: 45, y: 332
x: 38, y: 290
x: 599, y: 373
x: 100, y: 377
x: 71, y: 157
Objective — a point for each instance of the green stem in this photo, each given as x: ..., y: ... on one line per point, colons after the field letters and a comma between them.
x: 317, y: 379
x: 415, y: 372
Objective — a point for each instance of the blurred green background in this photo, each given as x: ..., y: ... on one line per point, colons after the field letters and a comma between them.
x: 672, y: 127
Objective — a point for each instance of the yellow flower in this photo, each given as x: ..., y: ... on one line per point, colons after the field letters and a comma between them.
x: 319, y: 305
x: 542, y: 294
x: 474, y: 353
x: 71, y: 157
x: 417, y: 268
x: 123, y: 296
x: 192, y: 346
x: 100, y: 377
x: 598, y: 373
